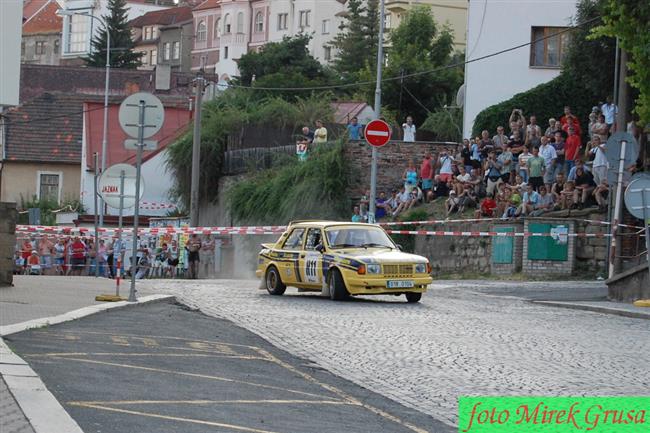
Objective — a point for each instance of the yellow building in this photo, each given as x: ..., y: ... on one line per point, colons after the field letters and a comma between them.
x: 451, y: 12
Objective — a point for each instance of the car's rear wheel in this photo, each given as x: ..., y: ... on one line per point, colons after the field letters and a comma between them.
x: 274, y: 284
x: 338, y: 292
x: 413, y: 297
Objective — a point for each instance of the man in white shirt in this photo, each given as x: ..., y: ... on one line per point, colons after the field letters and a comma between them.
x: 600, y: 164
x: 409, y: 130
x: 609, y: 110
x: 548, y: 152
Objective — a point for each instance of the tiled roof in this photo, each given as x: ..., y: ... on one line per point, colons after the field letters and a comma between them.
x: 30, y: 7
x: 207, y: 4
x: 163, y: 17
x: 46, y: 129
x: 44, y: 21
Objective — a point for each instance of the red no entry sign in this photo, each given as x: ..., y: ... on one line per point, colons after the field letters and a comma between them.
x: 378, y: 133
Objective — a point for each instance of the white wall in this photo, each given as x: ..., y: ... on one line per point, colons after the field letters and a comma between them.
x: 507, y: 23
x: 11, y: 32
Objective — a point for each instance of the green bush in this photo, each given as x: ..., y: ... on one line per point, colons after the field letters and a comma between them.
x: 544, y: 101
x: 314, y: 189
x: 48, y: 217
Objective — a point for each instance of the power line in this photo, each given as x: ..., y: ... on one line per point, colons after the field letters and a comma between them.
x: 416, y: 74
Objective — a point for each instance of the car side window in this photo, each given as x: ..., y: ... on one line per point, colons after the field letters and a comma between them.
x: 313, y: 239
x: 294, y: 241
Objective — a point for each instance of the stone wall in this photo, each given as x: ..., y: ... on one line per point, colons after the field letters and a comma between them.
x: 391, y: 163
x: 8, y: 215
x: 474, y: 255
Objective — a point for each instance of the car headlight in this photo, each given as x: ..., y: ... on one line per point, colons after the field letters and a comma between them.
x: 374, y: 269
x: 421, y: 268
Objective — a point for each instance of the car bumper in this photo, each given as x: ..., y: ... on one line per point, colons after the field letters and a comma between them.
x: 358, y: 285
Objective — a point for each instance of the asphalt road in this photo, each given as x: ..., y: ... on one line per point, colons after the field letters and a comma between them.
x: 165, y: 368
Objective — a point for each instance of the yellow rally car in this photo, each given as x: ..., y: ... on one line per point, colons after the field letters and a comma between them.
x: 339, y: 260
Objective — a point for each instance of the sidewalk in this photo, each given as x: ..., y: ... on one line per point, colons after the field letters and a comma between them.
x: 32, y: 299
x: 606, y: 307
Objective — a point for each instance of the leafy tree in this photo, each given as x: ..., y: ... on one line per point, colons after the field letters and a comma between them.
x: 418, y: 45
x: 357, y: 41
x: 122, y: 46
x: 283, y: 64
x: 590, y: 61
x: 629, y: 21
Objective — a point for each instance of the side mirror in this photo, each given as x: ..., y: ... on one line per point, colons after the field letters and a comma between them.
x: 320, y: 248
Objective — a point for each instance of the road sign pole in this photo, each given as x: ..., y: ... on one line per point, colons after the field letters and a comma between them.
x: 646, y: 224
x: 96, y: 217
x: 617, y: 207
x: 380, y: 65
x: 136, y: 211
x: 119, y: 236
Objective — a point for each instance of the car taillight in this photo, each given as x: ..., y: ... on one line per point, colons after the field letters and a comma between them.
x: 361, y: 270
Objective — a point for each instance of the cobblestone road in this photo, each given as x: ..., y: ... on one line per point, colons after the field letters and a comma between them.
x: 455, y: 342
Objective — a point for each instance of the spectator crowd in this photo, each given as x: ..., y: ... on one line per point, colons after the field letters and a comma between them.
x: 76, y: 255
x: 525, y: 169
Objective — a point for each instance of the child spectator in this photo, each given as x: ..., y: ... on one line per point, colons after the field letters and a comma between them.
x: 601, y: 193
x: 356, y: 215
x: 453, y: 203
x: 426, y: 173
x: 405, y: 202
x: 487, y: 208
x: 545, y: 202
x: 566, y: 196
x: 528, y: 201
x: 523, y: 167
x: 34, y: 263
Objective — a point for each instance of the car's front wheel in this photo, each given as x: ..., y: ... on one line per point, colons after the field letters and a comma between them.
x: 274, y: 284
x: 338, y: 292
x: 413, y: 297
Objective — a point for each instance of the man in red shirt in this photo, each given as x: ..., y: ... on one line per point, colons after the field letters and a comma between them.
x: 571, y: 149
x: 569, y: 119
x: 426, y: 173
x: 78, y: 256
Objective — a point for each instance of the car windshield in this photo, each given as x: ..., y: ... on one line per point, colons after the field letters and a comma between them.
x: 357, y: 237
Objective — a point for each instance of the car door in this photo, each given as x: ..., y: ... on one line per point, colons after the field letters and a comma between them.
x: 311, y: 260
x: 288, y: 256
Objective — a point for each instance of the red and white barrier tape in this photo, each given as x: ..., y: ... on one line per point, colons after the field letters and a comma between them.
x: 497, y: 234
x: 264, y: 230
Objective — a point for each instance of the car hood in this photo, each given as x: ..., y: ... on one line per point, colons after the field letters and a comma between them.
x: 380, y: 255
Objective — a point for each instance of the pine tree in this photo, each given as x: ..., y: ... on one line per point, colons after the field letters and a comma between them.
x: 122, y: 46
x: 357, y: 40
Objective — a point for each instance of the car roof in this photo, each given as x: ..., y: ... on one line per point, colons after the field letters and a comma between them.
x: 325, y: 224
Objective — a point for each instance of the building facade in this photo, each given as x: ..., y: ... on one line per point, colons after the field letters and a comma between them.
x: 41, y: 39
x: 225, y: 30
x: 80, y: 28
x: 163, y: 37
x: 498, y: 78
x: 446, y: 12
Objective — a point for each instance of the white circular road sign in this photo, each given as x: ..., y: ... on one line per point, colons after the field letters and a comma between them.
x: 109, y: 185
x: 129, y: 115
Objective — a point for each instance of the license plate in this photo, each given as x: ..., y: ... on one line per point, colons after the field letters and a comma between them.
x: 400, y: 284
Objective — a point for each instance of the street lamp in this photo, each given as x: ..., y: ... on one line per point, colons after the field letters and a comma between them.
x: 69, y: 13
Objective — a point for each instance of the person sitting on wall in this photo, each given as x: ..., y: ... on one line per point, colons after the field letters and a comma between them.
x: 487, y: 208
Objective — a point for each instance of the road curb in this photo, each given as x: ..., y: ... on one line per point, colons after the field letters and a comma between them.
x: 76, y: 314
x: 595, y: 309
x: 38, y: 404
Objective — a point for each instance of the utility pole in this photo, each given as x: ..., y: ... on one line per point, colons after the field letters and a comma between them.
x: 621, y: 125
x: 380, y: 66
x: 199, y: 83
